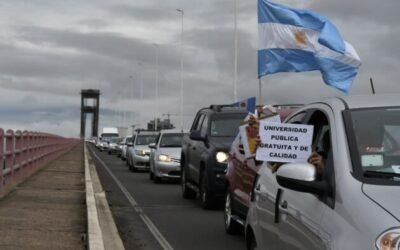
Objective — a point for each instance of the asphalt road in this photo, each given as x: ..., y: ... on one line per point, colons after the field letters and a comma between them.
x: 182, y: 223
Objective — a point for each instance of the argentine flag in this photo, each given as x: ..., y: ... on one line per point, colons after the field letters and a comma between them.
x: 294, y: 40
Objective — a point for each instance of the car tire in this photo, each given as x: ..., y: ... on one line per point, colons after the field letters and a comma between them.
x: 251, y: 243
x: 151, y: 175
x: 187, y: 193
x: 157, y: 179
x: 206, y: 198
x: 231, y: 226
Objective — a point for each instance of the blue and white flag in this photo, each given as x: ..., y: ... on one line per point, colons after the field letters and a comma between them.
x: 294, y: 40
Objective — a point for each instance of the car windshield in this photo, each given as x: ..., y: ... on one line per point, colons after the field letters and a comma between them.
x: 115, y: 140
x: 145, y: 139
x: 226, y: 126
x: 377, y: 136
x: 171, y: 140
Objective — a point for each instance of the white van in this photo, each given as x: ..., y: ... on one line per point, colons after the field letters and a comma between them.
x: 108, y: 132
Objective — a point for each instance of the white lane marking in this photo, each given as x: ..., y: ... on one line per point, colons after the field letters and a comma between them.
x: 153, y: 229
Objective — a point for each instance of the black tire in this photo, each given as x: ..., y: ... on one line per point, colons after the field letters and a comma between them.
x: 231, y: 226
x: 132, y: 168
x: 187, y: 193
x: 151, y: 175
x: 207, y: 200
x: 157, y: 179
x: 251, y: 243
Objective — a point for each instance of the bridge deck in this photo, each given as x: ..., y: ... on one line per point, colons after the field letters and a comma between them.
x: 47, y: 211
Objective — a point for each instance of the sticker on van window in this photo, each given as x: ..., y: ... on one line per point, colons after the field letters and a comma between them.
x: 372, y: 160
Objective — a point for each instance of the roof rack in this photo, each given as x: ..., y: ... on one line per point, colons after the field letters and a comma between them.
x: 287, y: 105
x: 219, y: 107
x: 138, y: 130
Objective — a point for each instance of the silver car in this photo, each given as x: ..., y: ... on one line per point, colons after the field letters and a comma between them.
x: 139, y: 153
x: 124, y: 146
x: 113, y: 145
x: 165, y: 156
x: 353, y: 201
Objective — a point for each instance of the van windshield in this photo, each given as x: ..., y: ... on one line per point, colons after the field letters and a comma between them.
x: 226, y: 126
x: 109, y: 135
x: 377, y: 136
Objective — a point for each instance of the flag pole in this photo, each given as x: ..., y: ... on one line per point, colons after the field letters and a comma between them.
x: 259, y: 92
x: 235, y: 97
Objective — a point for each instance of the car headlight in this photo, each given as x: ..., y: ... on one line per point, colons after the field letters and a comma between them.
x: 222, y: 157
x: 139, y: 152
x: 164, y: 158
x: 389, y: 240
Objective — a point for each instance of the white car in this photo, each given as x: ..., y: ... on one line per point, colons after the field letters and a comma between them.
x: 139, y: 153
x: 102, y: 145
x: 352, y: 200
x: 126, y: 142
x: 113, y: 145
x: 165, y: 155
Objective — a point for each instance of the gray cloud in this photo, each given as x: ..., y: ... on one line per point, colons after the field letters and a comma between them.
x: 368, y: 10
x: 52, y: 49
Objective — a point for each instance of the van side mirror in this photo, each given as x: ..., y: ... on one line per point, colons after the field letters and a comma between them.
x: 129, y: 144
x: 152, y: 145
x: 301, y: 177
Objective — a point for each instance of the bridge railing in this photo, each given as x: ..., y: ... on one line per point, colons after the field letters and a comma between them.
x: 24, y: 152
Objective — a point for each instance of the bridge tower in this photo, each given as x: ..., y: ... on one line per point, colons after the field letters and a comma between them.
x: 93, y: 107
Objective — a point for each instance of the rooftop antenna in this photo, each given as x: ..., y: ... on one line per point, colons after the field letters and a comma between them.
x: 372, y: 85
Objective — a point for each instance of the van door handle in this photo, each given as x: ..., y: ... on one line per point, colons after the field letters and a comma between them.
x: 284, y: 207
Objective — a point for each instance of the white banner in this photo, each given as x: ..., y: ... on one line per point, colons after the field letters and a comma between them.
x: 249, y: 136
x: 284, y: 142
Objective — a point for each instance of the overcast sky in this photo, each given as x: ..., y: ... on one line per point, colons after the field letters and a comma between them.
x: 51, y: 49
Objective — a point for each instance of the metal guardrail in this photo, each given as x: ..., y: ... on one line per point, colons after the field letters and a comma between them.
x: 24, y: 152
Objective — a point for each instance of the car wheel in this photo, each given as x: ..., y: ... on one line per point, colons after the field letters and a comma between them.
x: 206, y: 199
x: 109, y: 152
x: 231, y: 226
x: 151, y: 175
x: 187, y: 193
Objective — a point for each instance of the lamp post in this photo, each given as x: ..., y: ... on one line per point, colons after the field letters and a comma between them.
x: 235, y: 97
x: 141, y: 81
x: 156, y: 87
x: 181, y: 73
x: 132, y: 94
x: 141, y: 89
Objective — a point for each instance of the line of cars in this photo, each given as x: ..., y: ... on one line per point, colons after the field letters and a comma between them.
x: 156, y: 152
x: 352, y: 204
